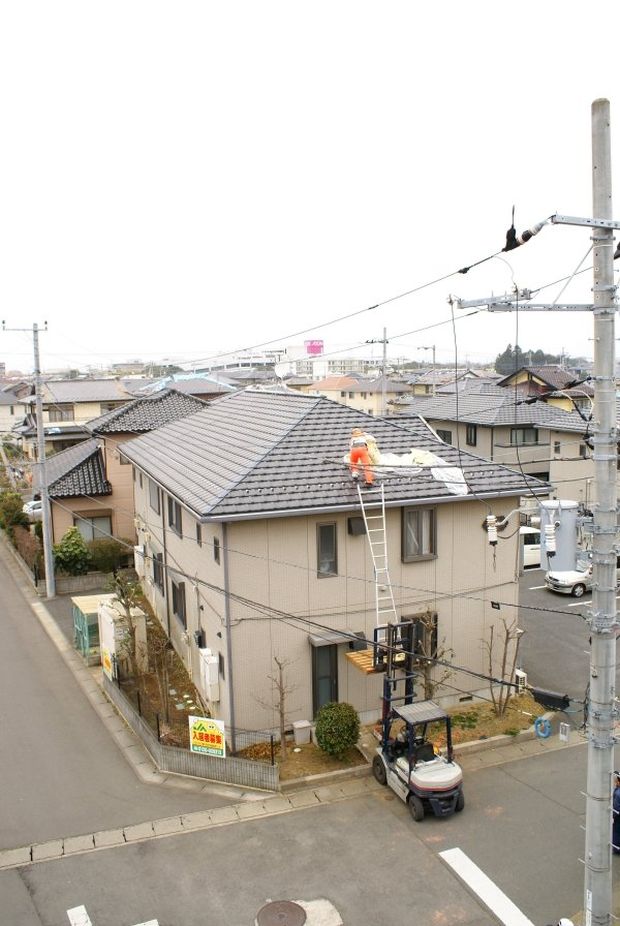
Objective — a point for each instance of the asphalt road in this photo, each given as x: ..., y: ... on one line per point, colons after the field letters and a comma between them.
x: 555, y: 649
x: 522, y: 826
x: 60, y: 770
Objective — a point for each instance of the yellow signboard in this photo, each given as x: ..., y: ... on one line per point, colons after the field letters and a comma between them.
x: 106, y: 662
x: 207, y: 736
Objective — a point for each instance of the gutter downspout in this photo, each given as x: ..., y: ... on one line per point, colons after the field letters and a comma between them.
x: 229, y: 658
x: 163, y: 534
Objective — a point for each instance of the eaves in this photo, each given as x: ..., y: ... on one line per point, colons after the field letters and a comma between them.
x: 399, y: 503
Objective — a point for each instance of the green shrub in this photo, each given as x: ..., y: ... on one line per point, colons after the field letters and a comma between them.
x: 337, y: 728
x: 11, y: 514
x: 71, y: 555
x: 108, y: 554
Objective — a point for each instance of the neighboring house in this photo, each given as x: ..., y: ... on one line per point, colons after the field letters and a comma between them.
x: 555, y: 385
x: 67, y: 406
x: 13, y: 410
x: 364, y: 395
x: 250, y: 547
x: 207, y: 388
x: 79, y: 493
x: 90, y: 485
x: 541, y: 440
x: 429, y: 382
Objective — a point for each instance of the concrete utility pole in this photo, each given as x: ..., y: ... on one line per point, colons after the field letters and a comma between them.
x: 50, y: 579
x: 385, y: 342
x: 602, y: 711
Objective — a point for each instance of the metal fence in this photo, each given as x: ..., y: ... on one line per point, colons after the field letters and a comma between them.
x: 232, y: 769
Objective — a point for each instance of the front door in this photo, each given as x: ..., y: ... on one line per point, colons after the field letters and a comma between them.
x: 324, y: 675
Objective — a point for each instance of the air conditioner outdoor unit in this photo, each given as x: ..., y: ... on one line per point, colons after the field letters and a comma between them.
x: 520, y: 681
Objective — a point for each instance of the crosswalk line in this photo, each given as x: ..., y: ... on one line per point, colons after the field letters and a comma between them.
x: 79, y: 917
x: 488, y: 892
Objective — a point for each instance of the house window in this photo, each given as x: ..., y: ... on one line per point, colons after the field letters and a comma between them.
x: 521, y: 436
x: 175, y: 519
x: 216, y: 549
x: 351, y: 395
x: 324, y: 676
x: 363, y: 395
x: 583, y: 451
x: 556, y: 446
x: 343, y: 395
x: 199, y: 535
x: 178, y: 602
x: 93, y: 528
x: 158, y: 571
x: 327, y: 564
x: 140, y: 480
x: 61, y: 413
x: 123, y: 460
x: 154, y: 496
x: 425, y: 635
x: 471, y: 435
x: 445, y: 436
x: 11, y: 412
x: 221, y: 666
x: 419, y: 534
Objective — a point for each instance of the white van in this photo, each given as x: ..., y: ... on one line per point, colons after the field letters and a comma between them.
x: 530, y: 538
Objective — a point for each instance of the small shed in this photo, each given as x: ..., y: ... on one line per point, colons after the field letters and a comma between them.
x: 85, y: 609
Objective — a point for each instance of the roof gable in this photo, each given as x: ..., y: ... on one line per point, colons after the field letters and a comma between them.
x: 79, y: 470
x: 146, y: 413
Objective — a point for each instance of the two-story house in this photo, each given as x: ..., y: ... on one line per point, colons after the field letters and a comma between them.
x: 252, y: 546
x: 536, y: 438
x: 371, y: 396
x: 90, y: 485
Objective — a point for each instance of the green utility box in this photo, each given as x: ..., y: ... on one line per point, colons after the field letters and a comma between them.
x: 86, y: 626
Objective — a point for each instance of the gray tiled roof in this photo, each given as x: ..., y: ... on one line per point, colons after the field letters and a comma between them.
x: 146, y: 413
x: 552, y: 375
x: 254, y: 454
x: 79, y: 470
x: 495, y: 411
x: 85, y: 390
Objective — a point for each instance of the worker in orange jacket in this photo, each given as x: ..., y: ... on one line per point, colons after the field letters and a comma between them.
x: 359, y: 457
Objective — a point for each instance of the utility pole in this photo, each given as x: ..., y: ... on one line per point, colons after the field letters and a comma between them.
x: 602, y: 712
x: 50, y: 580
x: 385, y: 342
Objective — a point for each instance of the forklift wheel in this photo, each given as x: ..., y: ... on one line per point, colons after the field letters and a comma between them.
x: 416, y: 808
x: 460, y: 802
x: 378, y: 770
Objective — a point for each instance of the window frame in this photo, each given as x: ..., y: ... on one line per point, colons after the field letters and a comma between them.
x: 320, y: 527
x: 523, y: 443
x: 444, y: 435
x: 178, y: 603
x: 154, y: 493
x: 158, y: 572
x: 420, y: 511
x: 217, y: 550
x: 471, y: 435
x: 198, y: 534
x: 175, y: 516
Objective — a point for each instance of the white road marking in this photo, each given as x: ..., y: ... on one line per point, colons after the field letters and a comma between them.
x: 534, y: 588
x: 79, y: 917
x: 575, y: 604
x: 488, y: 892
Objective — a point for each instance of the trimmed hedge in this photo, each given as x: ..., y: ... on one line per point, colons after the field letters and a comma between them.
x: 337, y: 728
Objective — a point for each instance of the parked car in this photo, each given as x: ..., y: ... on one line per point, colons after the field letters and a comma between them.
x: 575, y: 581
x: 34, y: 509
x: 530, y: 538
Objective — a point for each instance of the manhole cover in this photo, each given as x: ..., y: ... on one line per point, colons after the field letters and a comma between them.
x: 281, y: 913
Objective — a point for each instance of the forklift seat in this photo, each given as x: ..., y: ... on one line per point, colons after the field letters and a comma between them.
x: 425, y: 753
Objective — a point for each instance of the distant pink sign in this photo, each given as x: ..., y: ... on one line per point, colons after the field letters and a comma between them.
x: 313, y: 347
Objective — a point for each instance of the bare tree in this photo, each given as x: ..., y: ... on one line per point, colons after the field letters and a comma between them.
x: 280, y: 703
x: 509, y: 652
x: 128, y: 594
x: 431, y: 654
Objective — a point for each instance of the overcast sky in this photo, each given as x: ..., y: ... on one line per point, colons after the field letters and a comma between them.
x: 180, y: 179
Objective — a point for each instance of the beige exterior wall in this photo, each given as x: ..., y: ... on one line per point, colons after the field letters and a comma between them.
x: 571, y: 474
x: 65, y: 509
x: 274, y: 563
x: 371, y: 403
x: 120, y: 475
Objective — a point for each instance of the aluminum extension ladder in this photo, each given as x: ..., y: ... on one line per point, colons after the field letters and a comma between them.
x: 377, y: 541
